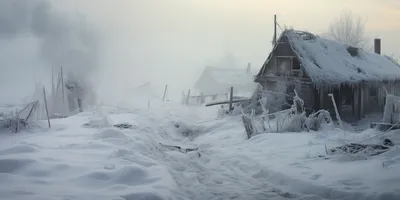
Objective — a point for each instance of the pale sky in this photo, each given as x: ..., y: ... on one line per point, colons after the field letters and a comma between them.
x: 172, y: 40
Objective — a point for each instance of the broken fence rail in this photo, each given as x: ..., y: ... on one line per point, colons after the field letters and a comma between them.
x: 227, y: 102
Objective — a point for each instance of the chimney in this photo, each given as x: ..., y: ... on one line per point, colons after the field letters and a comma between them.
x: 377, y: 45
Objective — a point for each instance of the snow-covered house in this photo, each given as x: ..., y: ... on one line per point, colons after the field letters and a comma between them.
x: 315, y: 67
x: 216, y: 80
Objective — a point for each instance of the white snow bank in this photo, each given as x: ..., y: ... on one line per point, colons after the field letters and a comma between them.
x: 296, y: 162
x: 86, y: 157
x: 71, y: 161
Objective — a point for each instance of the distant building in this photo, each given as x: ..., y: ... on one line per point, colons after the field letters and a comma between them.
x: 215, y: 80
x: 315, y: 67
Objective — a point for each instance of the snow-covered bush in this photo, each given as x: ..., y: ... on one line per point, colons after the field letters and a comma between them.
x: 318, y: 120
x: 186, y: 130
x: 21, y: 119
x: 99, y: 120
x: 222, y: 111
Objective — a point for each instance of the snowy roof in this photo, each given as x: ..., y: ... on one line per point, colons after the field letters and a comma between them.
x: 216, y: 78
x: 230, y: 75
x: 330, y: 62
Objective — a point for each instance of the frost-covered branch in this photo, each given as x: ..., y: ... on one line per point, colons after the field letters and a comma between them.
x: 349, y: 29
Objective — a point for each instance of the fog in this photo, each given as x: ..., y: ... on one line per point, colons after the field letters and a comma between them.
x: 120, y: 45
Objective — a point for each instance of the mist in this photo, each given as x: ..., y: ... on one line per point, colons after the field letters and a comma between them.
x: 37, y: 39
x: 118, y: 46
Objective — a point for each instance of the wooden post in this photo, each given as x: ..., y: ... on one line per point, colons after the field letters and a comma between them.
x: 45, y: 105
x: 165, y: 92
x: 274, y: 39
x: 230, y: 100
x: 248, y: 126
x: 188, y: 96
x: 53, y: 91
x: 62, y: 90
x: 201, y: 97
x: 80, y: 105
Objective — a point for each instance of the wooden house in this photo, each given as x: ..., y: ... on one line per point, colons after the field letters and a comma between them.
x: 316, y: 67
x: 218, y: 80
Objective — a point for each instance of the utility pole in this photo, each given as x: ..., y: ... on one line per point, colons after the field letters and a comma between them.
x: 274, y: 39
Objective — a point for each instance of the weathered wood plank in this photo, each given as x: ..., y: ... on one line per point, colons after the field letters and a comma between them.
x: 227, y: 102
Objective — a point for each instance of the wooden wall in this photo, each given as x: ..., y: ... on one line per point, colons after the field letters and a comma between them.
x: 273, y: 77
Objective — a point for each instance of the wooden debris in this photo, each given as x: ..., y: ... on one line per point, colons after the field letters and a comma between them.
x: 248, y: 126
x: 227, y: 102
x: 180, y: 149
x: 366, y: 149
x: 123, y: 126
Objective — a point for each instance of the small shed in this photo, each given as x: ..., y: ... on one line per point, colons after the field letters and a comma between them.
x: 217, y: 80
x: 315, y: 67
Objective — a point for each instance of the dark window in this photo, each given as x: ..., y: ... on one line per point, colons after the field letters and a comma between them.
x: 296, y: 63
x: 284, y: 65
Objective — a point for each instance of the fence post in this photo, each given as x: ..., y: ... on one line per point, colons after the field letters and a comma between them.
x: 80, y: 105
x: 45, y: 104
x: 165, y: 92
x: 230, y: 100
x: 201, y: 97
x: 187, y: 99
x: 62, y: 90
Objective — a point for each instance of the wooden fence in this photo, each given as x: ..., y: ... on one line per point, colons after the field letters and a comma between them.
x: 202, y: 98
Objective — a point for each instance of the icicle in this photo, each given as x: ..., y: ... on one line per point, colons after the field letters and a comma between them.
x: 384, y: 88
x: 388, y: 110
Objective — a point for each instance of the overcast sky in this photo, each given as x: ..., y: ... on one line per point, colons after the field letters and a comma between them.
x: 172, y: 40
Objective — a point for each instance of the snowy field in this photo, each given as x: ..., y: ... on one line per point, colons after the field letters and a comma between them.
x: 85, y: 157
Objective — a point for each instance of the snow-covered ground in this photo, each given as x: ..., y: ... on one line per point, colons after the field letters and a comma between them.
x: 85, y: 157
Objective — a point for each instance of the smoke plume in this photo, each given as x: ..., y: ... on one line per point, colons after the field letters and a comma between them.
x: 65, y: 40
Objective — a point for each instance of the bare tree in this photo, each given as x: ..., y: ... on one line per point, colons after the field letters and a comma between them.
x: 392, y: 57
x: 349, y: 29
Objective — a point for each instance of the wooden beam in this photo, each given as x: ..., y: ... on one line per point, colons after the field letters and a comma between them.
x: 227, y: 102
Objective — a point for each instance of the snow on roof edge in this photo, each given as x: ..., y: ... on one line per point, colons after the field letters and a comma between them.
x: 329, y: 62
